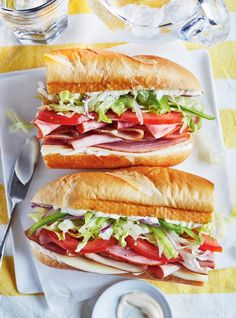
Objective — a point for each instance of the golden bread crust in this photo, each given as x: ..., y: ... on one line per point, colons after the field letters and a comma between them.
x: 89, y: 161
x: 90, y: 70
x: 139, y: 191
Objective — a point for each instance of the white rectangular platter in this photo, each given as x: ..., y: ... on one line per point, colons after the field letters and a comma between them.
x: 18, y: 91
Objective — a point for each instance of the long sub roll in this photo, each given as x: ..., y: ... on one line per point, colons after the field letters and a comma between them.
x: 103, y: 109
x: 143, y: 221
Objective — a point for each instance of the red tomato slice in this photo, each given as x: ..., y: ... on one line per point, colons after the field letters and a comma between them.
x: 70, y: 244
x: 152, y: 118
x: 176, y: 134
x: 210, y: 244
x: 49, y: 116
x: 143, y: 247
x: 98, y: 245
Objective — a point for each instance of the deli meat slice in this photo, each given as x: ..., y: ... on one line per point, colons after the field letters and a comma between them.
x: 46, y: 242
x: 44, y: 128
x: 91, y: 140
x: 164, y: 270
x: 124, y: 133
x: 123, y: 124
x: 89, y: 125
x: 126, y: 254
x: 159, y: 131
x: 141, y: 146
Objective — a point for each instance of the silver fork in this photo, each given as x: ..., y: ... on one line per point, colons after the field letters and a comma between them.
x: 23, y: 172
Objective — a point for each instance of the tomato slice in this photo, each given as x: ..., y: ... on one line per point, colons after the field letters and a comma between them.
x: 49, y: 116
x: 177, y: 135
x: 210, y: 244
x: 152, y: 118
x: 145, y: 248
x: 98, y: 245
x: 70, y: 244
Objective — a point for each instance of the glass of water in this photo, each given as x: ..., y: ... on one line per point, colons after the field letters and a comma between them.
x: 35, y: 21
x: 205, y: 21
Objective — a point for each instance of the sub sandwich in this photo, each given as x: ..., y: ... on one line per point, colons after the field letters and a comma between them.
x: 141, y: 221
x: 103, y: 109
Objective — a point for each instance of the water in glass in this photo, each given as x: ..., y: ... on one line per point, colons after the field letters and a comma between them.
x: 35, y: 21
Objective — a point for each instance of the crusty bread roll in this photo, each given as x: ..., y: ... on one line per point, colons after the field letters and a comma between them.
x: 91, y: 70
x: 42, y: 255
x: 139, y: 191
x: 54, y: 158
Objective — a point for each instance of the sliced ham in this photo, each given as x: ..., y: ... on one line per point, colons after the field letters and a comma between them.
x: 123, y: 124
x: 47, y: 141
x: 195, y: 269
x: 141, y: 146
x: 125, y: 133
x: 65, y: 129
x: 126, y: 254
x: 47, y: 243
x: 59, y: 136
x: 89, y: 125
x: 44, y: 128
x: 159, y: 131
x: 138, y: 112
x: 88, y: 141
x: 55, y: 248
x: 210, y: 264
x: 162, y: 271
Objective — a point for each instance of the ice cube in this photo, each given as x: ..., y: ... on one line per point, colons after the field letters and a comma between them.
x: 143, y: 21
x: 142, y: 15
x: 179, y: 11
x: 215, y: 11
x: 28, y: 4
x: 200, y: 29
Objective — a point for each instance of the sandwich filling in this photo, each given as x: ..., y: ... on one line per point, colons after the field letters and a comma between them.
x: 140, y: 121
x: 161, y: 246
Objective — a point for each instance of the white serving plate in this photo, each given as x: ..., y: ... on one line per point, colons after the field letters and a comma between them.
x: 17, y: 91
x: 110, y: 298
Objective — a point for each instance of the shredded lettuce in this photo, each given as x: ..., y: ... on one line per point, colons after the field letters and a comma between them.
x: 162, y: 239
x: 46, y: 220
x: 166, y: 235
x: 121, y: 101
x: 17, y: 123
x: 38, y: 214
x: 66, y: 225
x: 219, y: 225
x: 123, y: 227
x: 179, y: 229
x: 91, y: 228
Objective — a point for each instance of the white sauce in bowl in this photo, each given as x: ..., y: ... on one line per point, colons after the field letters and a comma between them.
x: 148, y: 305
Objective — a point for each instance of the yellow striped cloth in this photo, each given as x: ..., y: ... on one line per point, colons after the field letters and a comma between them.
x: 223, y: 57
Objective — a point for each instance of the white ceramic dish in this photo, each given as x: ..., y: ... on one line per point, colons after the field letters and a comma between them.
x: 111, y: 297
x: 17, y: 91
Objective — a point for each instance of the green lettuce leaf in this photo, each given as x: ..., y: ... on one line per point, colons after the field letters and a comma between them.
x: 91, y: 228
x: 123, y: 227
x: 179, y: 229
x: 46, y: 220
x: 17, y: 123
x: 38, y: 214
x: 123, y: 103
x: 143, y: 97
x: 168, y: 249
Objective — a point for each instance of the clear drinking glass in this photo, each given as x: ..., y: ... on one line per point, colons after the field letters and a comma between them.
x: 205, y: 21
x: 35, y: 21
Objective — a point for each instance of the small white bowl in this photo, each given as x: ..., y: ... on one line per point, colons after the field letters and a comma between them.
x: 106, y: 304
